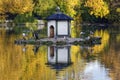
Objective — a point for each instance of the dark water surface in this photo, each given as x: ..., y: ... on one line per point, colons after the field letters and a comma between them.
x: 75, y: 62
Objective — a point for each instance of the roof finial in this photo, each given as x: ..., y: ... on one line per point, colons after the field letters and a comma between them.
x: 58, y: 9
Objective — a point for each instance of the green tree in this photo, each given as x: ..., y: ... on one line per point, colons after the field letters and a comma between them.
x: 43, y: 7
x: 68, y: 6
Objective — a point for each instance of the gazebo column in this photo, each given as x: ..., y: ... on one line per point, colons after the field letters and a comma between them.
x: 68, y: 28
x: 56, y: 28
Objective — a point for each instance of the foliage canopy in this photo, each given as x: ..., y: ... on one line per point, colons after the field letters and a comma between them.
x: 79, y: 9
x: 99, y: 8
x: 16, y: 6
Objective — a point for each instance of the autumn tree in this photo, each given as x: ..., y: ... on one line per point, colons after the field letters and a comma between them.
x: 15, y: 6
x: 47, y: 7
x: 114, y: 7
x: 99, y: 8
x: 1, y: 9
x: 2, y: 17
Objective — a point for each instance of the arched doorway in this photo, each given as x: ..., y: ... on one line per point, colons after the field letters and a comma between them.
x: 51, y: 31
x: 52, y: 51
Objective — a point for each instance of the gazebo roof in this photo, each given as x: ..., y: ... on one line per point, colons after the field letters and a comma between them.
x: 59, y: 16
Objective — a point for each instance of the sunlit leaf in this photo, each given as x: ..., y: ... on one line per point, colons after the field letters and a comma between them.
x: 99, y: 8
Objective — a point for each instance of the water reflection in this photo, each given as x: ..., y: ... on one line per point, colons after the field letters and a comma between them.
x: 94, y: 70
x: 59, y: 57
x: 24, y: 48
x: 99, y: 62
x: 36, y: 49
x: 87, y: 52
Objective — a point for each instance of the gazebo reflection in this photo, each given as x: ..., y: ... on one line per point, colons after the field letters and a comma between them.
x: 58, y: 57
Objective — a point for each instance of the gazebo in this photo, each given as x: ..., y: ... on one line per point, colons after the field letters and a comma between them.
x: 58, y: 24
x: 59, y: 57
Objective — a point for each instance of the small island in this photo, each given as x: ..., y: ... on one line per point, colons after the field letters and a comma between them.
x: 59, y: 33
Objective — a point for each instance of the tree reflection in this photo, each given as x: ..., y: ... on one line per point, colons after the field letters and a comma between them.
x: 35, y: 49
x: 111, y: 58
x: 87, y: 52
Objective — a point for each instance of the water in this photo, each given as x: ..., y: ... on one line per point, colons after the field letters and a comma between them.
x: 75, y: 62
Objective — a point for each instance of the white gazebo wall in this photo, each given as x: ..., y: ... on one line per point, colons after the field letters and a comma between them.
x: 62, y: 28
x: 53, y: 59
x: 51, y: 23
x: 61, y: 54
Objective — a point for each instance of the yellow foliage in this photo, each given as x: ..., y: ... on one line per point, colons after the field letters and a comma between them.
x: 1, y: 7
x: 16, y: 6
x: 118, y: 10
x: 118, y: 38
x: 97, y: 7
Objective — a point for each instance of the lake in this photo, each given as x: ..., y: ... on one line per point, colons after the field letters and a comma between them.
x: 69, y: 62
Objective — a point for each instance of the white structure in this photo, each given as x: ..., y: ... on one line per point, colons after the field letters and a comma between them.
x: 58, y: 25
x: 40, y: 22
x: 59, y: 55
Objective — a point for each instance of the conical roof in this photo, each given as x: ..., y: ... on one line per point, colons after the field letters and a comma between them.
x: 59, y: 16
